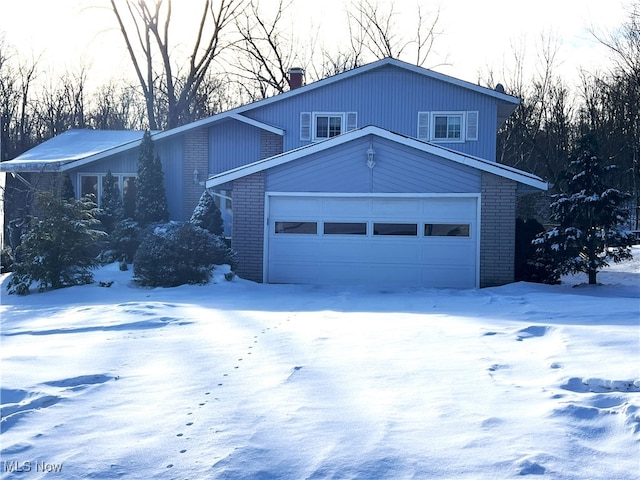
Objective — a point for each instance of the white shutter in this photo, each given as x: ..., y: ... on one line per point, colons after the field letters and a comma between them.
x: 352, y: 121
x: 472, y: 125
x: 423, y: 126
x: 305, y: 126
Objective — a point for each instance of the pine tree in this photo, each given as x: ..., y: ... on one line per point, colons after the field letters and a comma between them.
x: 207, y: 215
x: 590, y: 217
x: 129, y: 201
x: 59, y: 248
x: 111, y: 210
x: 151, y: 201
x: 66, y: 190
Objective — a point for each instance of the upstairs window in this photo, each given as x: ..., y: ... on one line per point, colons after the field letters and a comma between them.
x: 447, y: 126
x: 315, y: 126
x: 328, y: 126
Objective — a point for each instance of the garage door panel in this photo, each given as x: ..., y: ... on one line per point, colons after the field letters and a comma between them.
x: 395, y: 208
x: 449, y: 254
x: 460, y: 208
x: 448, y: 276
x: 400, y: 260
x: 308, y: 206
x: 340, y: 208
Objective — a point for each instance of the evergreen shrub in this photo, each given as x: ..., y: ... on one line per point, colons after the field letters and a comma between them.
x: 175, y: 254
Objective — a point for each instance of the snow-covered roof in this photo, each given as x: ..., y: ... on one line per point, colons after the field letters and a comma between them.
x: 469, y: 160
x: 72, y: 146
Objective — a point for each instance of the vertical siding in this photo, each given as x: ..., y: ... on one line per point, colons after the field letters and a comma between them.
x: 232, y: 144
x: 170, y: 153
x: 398, y: 169
x: 123, y: 163
x: 391, y: 99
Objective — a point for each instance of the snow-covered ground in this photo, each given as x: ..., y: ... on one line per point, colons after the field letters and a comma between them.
x: 237, y: 380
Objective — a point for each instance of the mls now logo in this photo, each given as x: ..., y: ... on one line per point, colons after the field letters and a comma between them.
x: 25, y: 467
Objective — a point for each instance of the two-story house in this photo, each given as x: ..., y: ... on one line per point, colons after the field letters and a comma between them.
x: 385, y: 174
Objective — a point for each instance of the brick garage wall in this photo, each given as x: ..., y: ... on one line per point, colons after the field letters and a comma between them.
x: 248, y: 225
x: 498, y: 230
x: 195, y: 157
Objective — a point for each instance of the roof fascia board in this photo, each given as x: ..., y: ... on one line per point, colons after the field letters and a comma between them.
x: 62, y: 165
x: 496, y: 169
x: 256, y: 123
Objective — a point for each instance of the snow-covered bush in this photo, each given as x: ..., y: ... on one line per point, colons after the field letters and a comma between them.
x: 59, y: 249
x: 122, y: 242
x: 207, y: 215
x: 178, y: 253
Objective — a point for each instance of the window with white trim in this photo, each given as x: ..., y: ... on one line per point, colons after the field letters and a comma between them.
x: 447, y: 126
x: 93, y: 184
x: 315, y: 126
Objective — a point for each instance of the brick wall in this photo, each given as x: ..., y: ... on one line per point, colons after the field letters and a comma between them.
x: 195, y: 157
x: 270, y: 144
x: 248, y: 225
x: 498, y: 229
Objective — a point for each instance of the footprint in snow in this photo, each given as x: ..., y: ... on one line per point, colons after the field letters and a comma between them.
x: 533, y: 331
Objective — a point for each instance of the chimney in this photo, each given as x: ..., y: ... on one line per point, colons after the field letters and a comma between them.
x: 296, y: 78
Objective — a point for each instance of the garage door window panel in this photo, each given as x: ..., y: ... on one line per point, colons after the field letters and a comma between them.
x: 345, y: 228
x: 447, y: 230
x: 395, y: 229
x: 304, y: 228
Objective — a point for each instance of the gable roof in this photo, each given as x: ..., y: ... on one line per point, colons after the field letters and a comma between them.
x: 506, y: 103
x: 469, y: 160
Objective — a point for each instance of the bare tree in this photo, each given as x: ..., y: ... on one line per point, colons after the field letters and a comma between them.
x: 265, y: 53
x: 16, y: 84
x: 614, y: 101
x: 116, y: 107
x: 375, y: 30
x: 61, y: 105
x: 537, y: 136
x: 145, y: 31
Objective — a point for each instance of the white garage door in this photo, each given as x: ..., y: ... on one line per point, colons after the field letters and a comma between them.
x: 373, y: 240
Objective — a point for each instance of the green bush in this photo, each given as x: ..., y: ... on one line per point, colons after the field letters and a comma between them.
x: 58, y: 250
x: 122, y: 243
x: 178, y: 253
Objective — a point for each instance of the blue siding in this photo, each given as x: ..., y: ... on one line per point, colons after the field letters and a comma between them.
x: 170, y: 153
x: 389, y: 98
x: 399, y: 169
x: 232, y: 144
x: 126, y: 162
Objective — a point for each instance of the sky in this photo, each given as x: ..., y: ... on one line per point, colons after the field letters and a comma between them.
x: 476, y: 35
